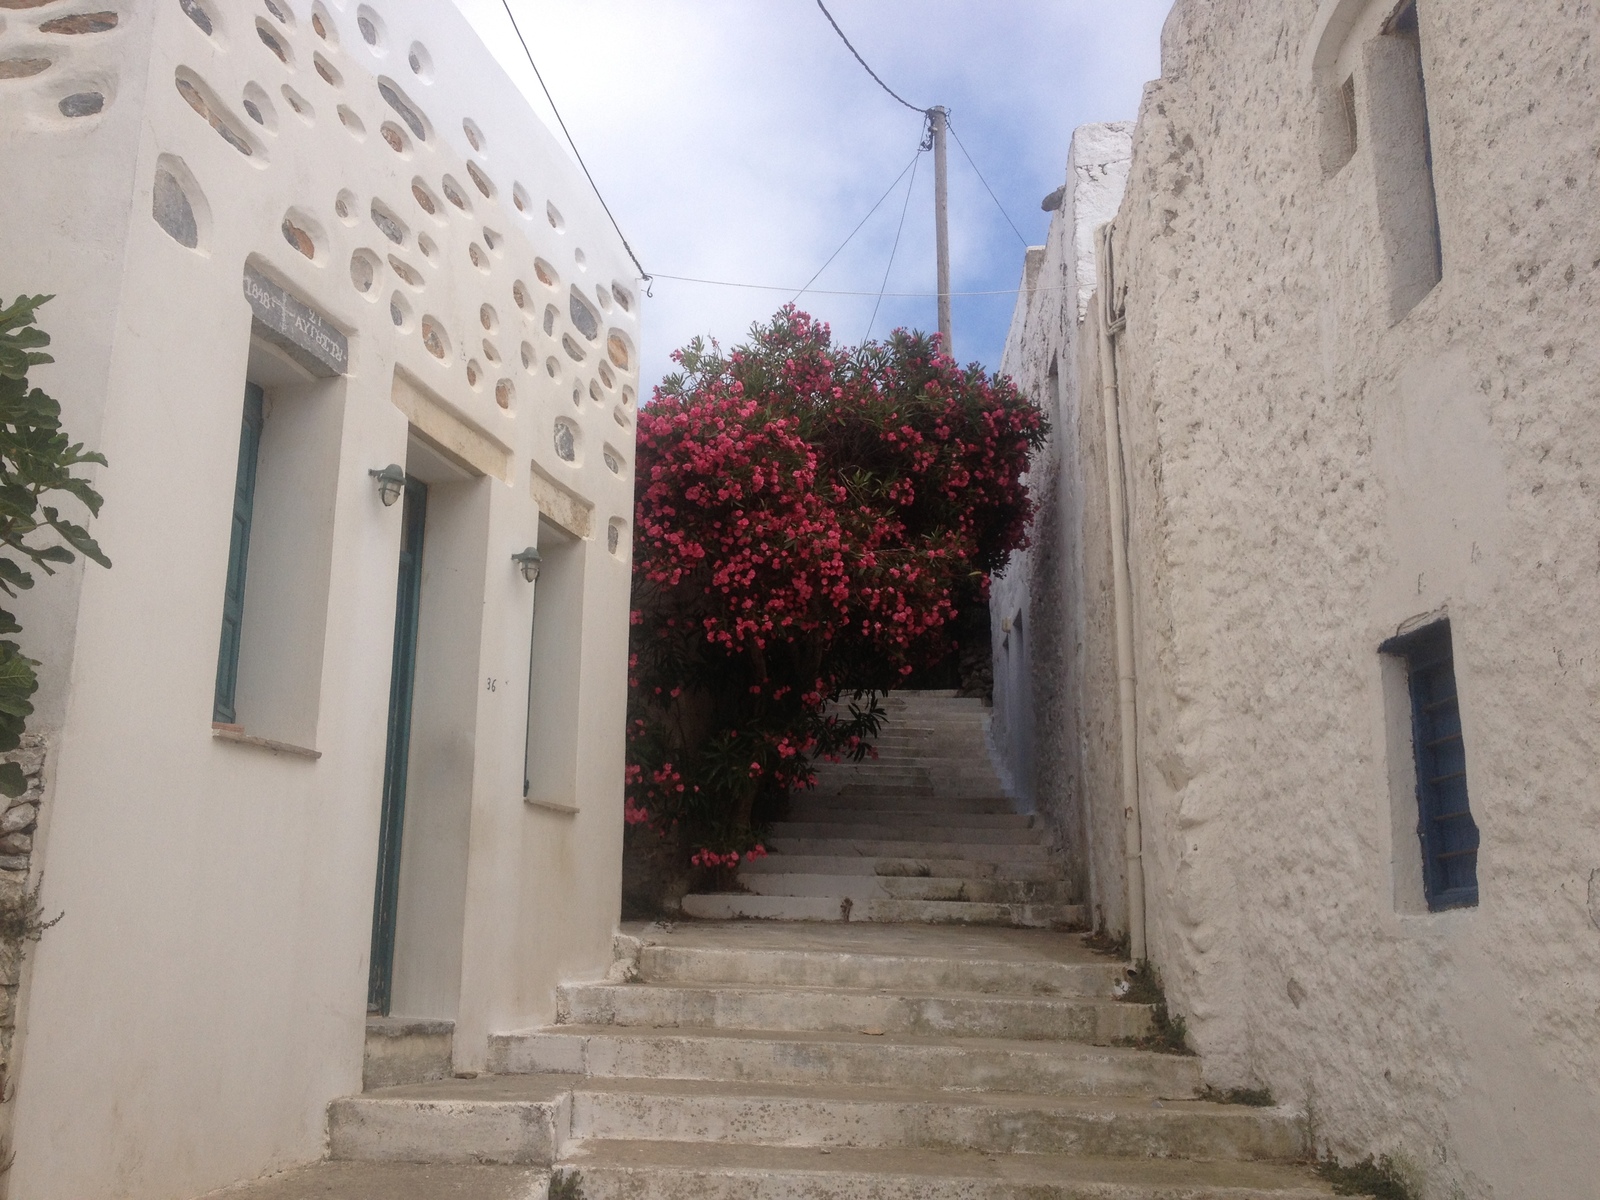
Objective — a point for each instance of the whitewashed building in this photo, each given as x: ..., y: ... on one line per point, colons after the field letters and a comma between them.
x: 1318, y: 562
x: 354, y: 335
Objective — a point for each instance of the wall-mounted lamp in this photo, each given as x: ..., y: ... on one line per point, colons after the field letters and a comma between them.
x: 391, y: 482
x: 528, y: 560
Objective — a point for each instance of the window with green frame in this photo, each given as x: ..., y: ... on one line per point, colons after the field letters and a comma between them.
x: 244, y: 494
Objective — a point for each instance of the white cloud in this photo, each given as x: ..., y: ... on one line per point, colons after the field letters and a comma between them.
x: 738, y: 140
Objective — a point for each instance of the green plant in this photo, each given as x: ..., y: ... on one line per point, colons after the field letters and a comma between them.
x: 22, y: 916
x: 1169, y: 1034
x: 1101, y: 942
x: 36, y: 459
x: 1379, y: 1178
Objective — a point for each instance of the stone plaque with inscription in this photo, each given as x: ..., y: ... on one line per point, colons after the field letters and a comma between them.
x: 301, y: 330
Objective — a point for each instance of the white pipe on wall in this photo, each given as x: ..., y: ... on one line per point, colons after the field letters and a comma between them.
x: 1122, y: 592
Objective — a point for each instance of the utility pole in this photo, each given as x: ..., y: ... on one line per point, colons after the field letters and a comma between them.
x: 941, y: 217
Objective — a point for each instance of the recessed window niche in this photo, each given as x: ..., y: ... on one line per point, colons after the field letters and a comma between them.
x: 1368, y: 77
x: 555, y: 677
x: 271, y: 656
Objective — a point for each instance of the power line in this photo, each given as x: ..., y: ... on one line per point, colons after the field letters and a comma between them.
x: 908, y: 167
x: 518, y: 30
x: 895, y: 249
x: 863, y: 61
x: 770, y: 287
x: 986, y: 186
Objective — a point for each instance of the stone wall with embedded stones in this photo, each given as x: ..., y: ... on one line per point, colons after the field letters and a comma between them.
x: 349, y: 205
x: 17, y: 825
x: 1332, y: 439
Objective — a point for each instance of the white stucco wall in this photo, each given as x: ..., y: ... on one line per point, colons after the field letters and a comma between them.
x: 185, y: 1025
x: 1312, y: 466
x: 1055, y: 713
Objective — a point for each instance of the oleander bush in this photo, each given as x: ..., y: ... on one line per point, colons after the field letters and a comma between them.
x: 809, y: 519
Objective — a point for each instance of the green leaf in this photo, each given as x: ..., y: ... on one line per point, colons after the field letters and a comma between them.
x: 12, y: 781
x: 37, y: 458
x: 14, y: 576
x: 77, y: 536
x: 17, y: 684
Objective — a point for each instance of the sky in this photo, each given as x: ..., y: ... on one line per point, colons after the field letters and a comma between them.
x: 738, y: 140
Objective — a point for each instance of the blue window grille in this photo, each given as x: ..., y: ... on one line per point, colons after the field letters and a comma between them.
x: 1445, y: 826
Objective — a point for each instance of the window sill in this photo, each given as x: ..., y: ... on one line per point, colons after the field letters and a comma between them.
x: 570, y: 810
x: 236, y: 733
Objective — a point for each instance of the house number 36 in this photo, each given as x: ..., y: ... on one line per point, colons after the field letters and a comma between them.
x: 490, y: 683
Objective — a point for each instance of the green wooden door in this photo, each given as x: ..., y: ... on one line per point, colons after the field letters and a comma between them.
x: 401, y: 683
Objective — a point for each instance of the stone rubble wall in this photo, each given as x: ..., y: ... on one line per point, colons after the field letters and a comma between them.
x: 17, y: 830
x: 18, y: 826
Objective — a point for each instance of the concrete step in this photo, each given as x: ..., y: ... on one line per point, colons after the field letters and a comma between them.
x: 879, y: 1118
x: 903, y: 775
x: 887, y: 958
x: 853, y: 1059
x: 813, y: 810
x: 406, y: 1050
x: 914, y: 767
x: 987, y: 802
x: 933, y: 741
x: 882, y: 848
x: 935, y: 737
x: 906, y: 828
x: 936, y: 754
x: 874, y: 788
x: 947, y: 761
x: 616, y: 1170
x: 862, y: 888
x: 742, y: 906
x: 955, y: 784
x: 527, y: 1120
x: 512, y: 1119
x: 394, y: 1181
x: 722, y: 1006
x: 892, y: 865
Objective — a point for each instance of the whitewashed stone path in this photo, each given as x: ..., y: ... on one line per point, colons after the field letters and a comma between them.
x: 889, y: 1030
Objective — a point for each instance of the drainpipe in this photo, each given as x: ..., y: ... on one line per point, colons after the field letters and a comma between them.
x: 1122, y: 591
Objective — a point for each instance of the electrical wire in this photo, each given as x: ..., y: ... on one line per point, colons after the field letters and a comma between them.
x: 908, y: 167
x: 893, y: 250
x: 517, y: 29
x: 770, y: 287
x: 985, y: 183
x: 863, y: 61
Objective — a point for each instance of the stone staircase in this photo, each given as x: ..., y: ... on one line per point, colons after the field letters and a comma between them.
x: 953, y: 1057
x: 778, y: 1061
x: 921, y: 833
